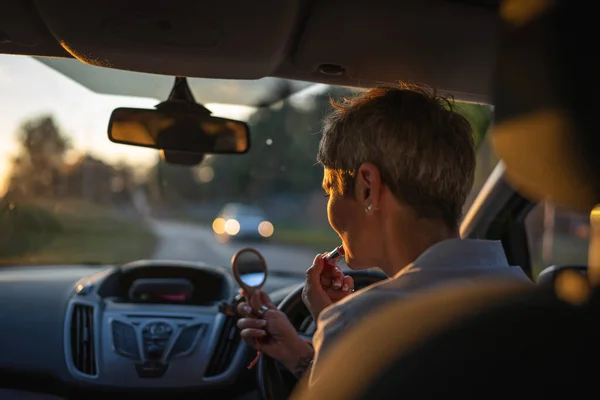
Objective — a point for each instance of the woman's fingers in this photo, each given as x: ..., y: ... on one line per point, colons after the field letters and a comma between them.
x: 251, y: 323
x: 346, y: 289
x: 325, y: 281
x: 254, y: 301
x: 265, y: 299
x: 337, y: 295
x: 335, y: 279
x: 313, y: 274
x: 327, y: 276
x: 244, y: 309
x: 332, y: 278
x: 348, y: 284
x: 261, y: 298
x: 251, y: 329
x: 250, y: 334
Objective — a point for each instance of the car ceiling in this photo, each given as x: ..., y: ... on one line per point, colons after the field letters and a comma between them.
x: 449, y: 45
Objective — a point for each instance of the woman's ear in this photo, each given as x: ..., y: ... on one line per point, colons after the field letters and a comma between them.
x: 368, y: 186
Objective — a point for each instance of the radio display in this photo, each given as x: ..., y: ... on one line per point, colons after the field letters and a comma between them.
x: 161, y: 290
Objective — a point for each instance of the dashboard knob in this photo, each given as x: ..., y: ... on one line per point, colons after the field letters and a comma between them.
x: 156, y: 329
x: 154, y: 351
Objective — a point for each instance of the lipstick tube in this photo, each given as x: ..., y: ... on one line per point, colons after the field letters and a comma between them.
x: 334, y: 256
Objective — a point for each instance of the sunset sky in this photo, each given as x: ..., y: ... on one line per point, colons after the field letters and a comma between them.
x: 29, y: 89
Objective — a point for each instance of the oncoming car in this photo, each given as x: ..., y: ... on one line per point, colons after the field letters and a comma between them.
x: 242, y: 221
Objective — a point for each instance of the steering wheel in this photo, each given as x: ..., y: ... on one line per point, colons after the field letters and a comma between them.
x: 275, y: 382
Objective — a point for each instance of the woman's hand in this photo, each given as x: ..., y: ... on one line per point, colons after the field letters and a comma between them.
x: 273, y: 334
x: 324, y: 286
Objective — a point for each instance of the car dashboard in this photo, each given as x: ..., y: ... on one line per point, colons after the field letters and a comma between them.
x: 76, y: 331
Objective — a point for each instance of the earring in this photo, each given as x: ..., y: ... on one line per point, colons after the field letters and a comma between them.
x: 368, y: 208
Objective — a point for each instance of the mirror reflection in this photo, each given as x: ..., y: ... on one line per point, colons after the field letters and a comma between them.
x: 178, y: 132
x: 254, y: 279
x: 251, y: 268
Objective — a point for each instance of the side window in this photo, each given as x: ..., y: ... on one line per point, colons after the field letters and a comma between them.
x: 487, y: 160
x: 556, y: 237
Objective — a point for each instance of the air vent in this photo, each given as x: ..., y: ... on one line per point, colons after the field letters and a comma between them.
x: 226, y: 347
x: 83, y: 351
x: 186, y: 341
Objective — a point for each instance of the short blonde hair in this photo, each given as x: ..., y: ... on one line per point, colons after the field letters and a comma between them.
x: 423, y: 148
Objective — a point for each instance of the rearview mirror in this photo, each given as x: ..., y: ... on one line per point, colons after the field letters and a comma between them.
x: 177, y: 131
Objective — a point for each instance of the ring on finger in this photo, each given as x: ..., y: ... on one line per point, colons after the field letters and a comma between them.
x: 261, y: 311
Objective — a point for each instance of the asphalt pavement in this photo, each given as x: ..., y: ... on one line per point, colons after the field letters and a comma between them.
x: 191, y: 242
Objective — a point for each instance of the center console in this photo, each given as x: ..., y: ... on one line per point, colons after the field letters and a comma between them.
x: 152, y: 325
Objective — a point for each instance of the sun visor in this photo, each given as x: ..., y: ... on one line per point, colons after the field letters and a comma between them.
x: 536, y: 131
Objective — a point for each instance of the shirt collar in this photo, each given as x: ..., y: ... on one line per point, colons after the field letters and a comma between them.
x: 461, y: 253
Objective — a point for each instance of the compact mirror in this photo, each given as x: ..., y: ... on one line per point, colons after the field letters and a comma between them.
x: 249, y: 269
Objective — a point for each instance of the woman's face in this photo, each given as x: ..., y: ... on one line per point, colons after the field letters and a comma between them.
x: 356, y: 226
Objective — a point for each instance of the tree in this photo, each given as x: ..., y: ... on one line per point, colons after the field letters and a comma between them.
x: 480, y: 117
x: 172, y: 184
x: 285, y: 138
x: 96, y: 181
x: 36, y: 170
x: 284, y: 142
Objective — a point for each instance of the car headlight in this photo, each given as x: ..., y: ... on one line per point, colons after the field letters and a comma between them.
x: 265, y: 229
x: 232, y: 227
x: 218, y: 226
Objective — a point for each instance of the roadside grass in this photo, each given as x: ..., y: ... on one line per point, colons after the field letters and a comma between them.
x: 71, y: 231
x: 319, y: 239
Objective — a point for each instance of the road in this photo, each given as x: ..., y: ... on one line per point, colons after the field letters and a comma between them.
x: 191, y: 242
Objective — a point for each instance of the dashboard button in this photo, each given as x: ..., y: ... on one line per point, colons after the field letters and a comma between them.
x: 157, y: 329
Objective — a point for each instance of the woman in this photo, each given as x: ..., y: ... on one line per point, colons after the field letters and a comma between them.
x: 398, y: 166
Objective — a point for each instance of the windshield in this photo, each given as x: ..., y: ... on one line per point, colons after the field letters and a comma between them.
x: 68, y: 195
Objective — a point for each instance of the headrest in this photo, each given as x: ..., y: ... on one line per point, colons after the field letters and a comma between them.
x: 546, y: 102
x: 549, y: 275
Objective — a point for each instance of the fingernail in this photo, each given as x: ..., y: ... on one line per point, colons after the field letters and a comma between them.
x: 247, y: 309
x: 345, y: 287
x: 262, y: 333
x: 337, y: 284
x: 262, y: 322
